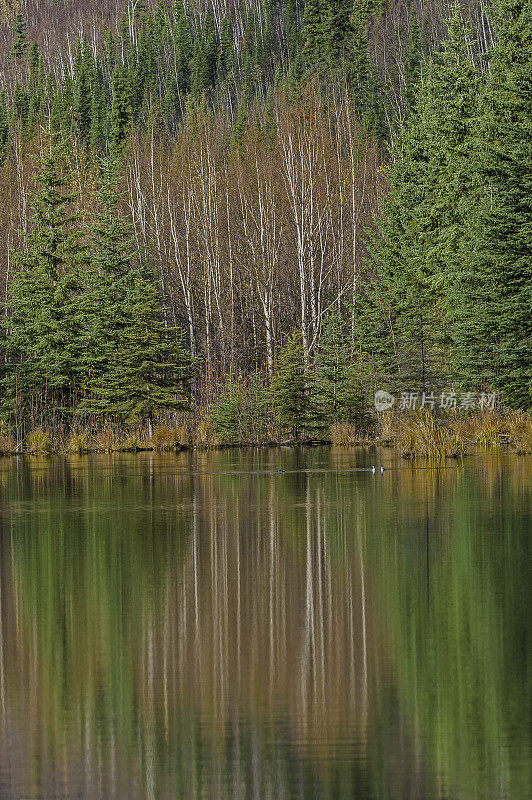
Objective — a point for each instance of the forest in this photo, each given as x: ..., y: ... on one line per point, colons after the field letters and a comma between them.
x: 250, y: 217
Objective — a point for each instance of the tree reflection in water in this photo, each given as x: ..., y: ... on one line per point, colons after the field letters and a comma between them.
x: 330, y: 635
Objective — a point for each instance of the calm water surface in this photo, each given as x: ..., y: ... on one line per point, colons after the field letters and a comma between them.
x: 172, y: 630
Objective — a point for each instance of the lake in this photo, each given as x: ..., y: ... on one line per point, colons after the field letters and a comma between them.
x: 202, y: 626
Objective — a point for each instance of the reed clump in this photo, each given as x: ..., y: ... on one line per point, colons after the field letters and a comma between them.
x: 7, y: 443
x: 39, y: 442
x: 424, y: 435
x: 519, y: 427
x: 347, y: 434
x: 492, y: 430
x: 106, y: 440
x: 131, y: 443
x: 79, y: 443
x: 165, y: 438
x: 388, y: 425
x: 205, y: 436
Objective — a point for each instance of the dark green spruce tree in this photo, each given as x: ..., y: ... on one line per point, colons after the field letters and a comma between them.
x: 135, y: 366
x: 43, y: 338
x: 337, y: 32
x: 413, y: 64
x: 312, y: 34
x: 290, y: 389
x: 20, y: 41
x: 337, y: 390
x: 4, y: 126
x: 432, y: 186
x: 83, y: 74
x: 492, y: 300
x: 183, y: 48
x: 364, y: 84
x: 121, y: 109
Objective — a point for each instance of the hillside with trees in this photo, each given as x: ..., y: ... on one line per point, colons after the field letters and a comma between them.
x: 267, y: 210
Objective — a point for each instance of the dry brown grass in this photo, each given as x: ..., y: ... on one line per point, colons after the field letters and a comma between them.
x: 423, y: 435
x: 166, y: 438
x: 519, y: 428
x: 7, y: 442
x: 106, y: 440
x: 389, y: 424
x: 130, y: 443
x: 204, y: 435
x: 347, y: 434
x: 79, y: 442
x: 490, y: 430
x: 111, y: 440
x: 39, y: 442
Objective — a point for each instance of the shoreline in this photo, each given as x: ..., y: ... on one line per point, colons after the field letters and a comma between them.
x: 474, y: 450
x: 419, y: 435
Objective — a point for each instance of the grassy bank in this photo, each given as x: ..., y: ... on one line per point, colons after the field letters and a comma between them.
x: 423, y: 434
x: 420, y: 434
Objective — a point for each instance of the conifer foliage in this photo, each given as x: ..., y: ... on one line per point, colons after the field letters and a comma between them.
x: 135, y: 364
x: 291, y: 390
x: 86, y: 329
x: 337, y: 396
x: 451, y: 254
x: 493, y: 337
x: 43, y: 340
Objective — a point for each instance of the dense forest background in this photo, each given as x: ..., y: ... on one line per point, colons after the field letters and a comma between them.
x: 326, y: 193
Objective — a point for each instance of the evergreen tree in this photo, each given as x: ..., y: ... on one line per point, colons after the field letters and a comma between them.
x: 83, y: 73
x: 62, y: 104
x: 4, y: 126
x: 413, y: 61
x: 183, y: 49
x: 108, y: 51
x: 20, y: 42
x: 491, y: 297
x: 98, y: 117
x: 291, y: 28
x: 337, y: 392
x: 44, y: 327
x: 34, y: 63
x: 210, y: 49
x: 312, y: 33
x: 227, y: 413
x: 121, y: 110
x: 383, y: 342
x: 134, y: 364
x: 227, y: 53
x: 147, y: 46
x: 250, y: 70
x: 290, y: 388
x: 431, y: 188
x: 337, y: 32
x: 365, y: 88
x: 20, y: 104
x: 204, y: 59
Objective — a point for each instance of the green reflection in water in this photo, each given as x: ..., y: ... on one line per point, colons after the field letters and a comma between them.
x: 457, y: 601
x: 331, y: 635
